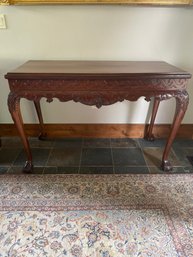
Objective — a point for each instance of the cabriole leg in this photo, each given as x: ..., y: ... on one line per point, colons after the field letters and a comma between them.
x: 149, y: 135
x: 182, y: 100
x: 43, y: 134
x: 14, y: 108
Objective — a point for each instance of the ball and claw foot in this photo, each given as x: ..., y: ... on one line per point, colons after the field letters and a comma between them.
x: 150, y: 137
x: 42, y: 136
x: 166, y: 166
x: 28, y: 168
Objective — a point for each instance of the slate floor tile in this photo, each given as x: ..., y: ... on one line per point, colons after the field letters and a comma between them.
x: 124, y: 142
x: 128, y: 157
x: 131, y: 170
x: 64, y: 157
x: 190, y: 159
x: 182, y: 154
x: 182, y: 143
x: 156, y: 143
x: 68, y: 142
x: 96, y: 142
x: 188, y: 169
x: 3, y: 169
x: 18, y: 170
x: 11, y: 142
x: 96, y: 157
x: 158, y: 170
x: 96, y: 170
x: 153, y: 156
x: 40, y: 157
x: 8, y: 155
x: 61, y: 170
x: 35, y: 142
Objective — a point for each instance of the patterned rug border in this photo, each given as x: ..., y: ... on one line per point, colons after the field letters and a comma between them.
x: 95, y: 207
x: 186, y: 175
x: 98, y: 175
x: 171, y: 212
x: 177, y: 242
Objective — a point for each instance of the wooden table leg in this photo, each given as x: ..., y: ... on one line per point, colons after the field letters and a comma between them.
x: 149, y: 135
x: 182, y: 100
x: 14, y: 108
x: 43, y: 134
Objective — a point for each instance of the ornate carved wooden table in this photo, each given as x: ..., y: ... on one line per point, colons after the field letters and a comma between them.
x: 97, y: 83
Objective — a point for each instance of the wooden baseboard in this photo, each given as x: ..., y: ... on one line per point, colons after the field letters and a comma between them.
x: 97, y: 130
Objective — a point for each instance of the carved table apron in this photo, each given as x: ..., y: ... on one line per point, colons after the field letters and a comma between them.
x: 97, y: 83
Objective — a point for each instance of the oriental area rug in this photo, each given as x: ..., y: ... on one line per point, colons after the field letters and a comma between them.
x: 96, y: 215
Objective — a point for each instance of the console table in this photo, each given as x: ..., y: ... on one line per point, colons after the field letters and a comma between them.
x: 97, y: 83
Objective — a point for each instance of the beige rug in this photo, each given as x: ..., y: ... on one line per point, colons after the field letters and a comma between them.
x: 96, y: 215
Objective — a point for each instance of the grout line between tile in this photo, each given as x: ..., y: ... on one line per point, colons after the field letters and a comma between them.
x: 46, y: 164
x: 113, y: 163
x: 12, y: 164
x: 143, y: 156
x: 51, y: 147
x: 80, y: 161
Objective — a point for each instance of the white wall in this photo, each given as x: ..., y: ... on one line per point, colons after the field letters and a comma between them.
x: 96, y: 33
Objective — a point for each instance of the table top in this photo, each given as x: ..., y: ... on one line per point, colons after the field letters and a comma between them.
x: 55, y: 69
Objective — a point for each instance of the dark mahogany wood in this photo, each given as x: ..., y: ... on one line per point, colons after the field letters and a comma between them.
x: 149, y: 133
x: 42, y: 134
x: 97, y: 83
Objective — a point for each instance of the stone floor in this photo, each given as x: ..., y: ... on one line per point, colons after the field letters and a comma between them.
x: 97, y: 156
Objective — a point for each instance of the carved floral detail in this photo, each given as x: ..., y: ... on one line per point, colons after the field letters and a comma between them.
x: 95, y: 91
x: 103, y: 84
x: 13, y: 102
x: 182, y: 99
x: 169, y: 83
x: 97, y: 99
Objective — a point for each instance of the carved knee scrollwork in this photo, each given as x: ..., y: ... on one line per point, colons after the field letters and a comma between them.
x: 13, y: 102
x: 182, y: 101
